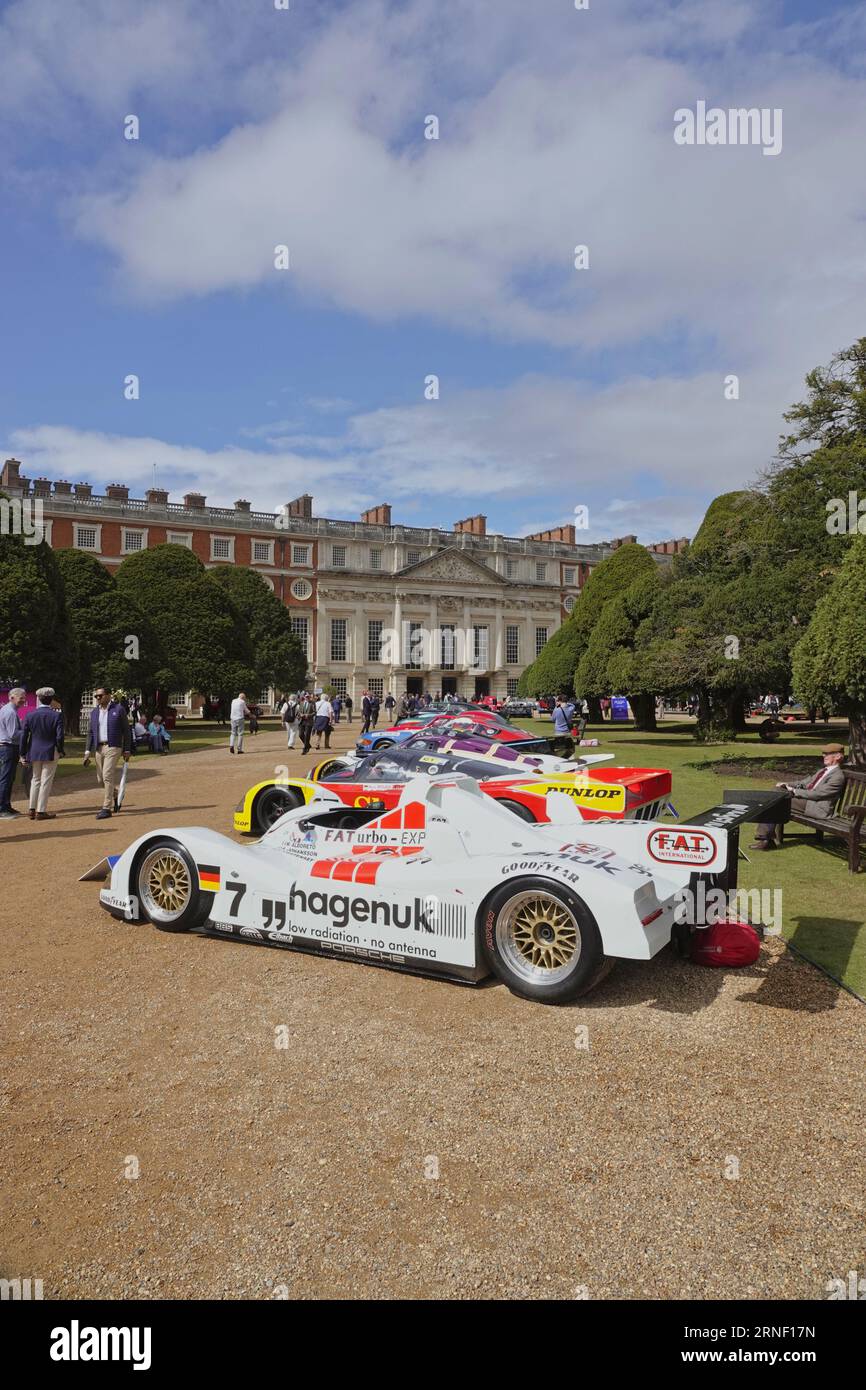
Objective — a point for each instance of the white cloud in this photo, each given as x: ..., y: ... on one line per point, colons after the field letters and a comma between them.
x: 566, y: 142
x: 644, y: 455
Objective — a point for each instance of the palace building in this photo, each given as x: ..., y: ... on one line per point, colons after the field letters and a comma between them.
x: 375, y: 604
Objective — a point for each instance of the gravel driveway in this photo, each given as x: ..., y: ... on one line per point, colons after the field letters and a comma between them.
x: 415, y: 1139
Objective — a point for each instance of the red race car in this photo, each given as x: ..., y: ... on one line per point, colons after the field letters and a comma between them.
x: 609, y: 793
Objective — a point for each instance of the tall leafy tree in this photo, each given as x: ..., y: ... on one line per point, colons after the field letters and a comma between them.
x: 205, y: 640
x: 37, y: 644
x: 830, y: 659
x: 554, y: 670
x: 613, y: 660
x: 116, y: 641
x: 279, y: 657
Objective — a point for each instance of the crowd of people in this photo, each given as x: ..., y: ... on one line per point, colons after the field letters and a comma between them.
x: 35, y: 744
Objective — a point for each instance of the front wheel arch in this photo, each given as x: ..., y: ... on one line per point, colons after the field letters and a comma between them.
x: 263, y: 813
x: 199, y: 906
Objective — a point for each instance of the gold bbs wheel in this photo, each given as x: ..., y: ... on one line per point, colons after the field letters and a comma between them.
x: 539, y: 937
x: 165, y: 885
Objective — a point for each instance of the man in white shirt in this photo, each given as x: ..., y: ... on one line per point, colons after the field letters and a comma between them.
x: 322, y: 724
x: 239, y: 712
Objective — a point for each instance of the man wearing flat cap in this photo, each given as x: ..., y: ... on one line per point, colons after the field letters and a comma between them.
x: 814, y: 796
x: 41, y: 746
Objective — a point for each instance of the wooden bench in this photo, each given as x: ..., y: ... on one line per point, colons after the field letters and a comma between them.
x: 846, y: 822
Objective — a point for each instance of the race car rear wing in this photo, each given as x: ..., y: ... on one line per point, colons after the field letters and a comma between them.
x: 740, y: 808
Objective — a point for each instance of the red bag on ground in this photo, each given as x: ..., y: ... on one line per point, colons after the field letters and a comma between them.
x: 726, y: 943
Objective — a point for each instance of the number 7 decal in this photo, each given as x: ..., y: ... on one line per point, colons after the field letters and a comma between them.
x: 238, y: 889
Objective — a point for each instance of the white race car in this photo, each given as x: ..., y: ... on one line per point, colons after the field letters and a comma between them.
x: 449, y: 883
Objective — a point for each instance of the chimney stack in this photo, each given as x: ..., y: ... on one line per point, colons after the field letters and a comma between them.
x: 194, y: 501
x: 472, y: 525
x: 302, y: 506
x: 117, y: 492
x: 378, y: 516
x: 558, y: 533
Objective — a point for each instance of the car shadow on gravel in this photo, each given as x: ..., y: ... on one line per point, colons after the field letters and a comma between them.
x: 812, y: 985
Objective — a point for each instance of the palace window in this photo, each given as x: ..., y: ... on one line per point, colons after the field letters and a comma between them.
x: 180, y: 538
x: 338, y: 556
x: 300, y: 554
x: 540, y: 571
x: 375, y: 559
x: 374, y: 639
x: 338, y: 684
x: 511, y: 569
x: 511, y: 685
x: 338, y: 638
x: 540, y: 639
x: 480, y: 647
x: 301, y: 629
x: 376, y: 686
x: 132, y: 540
x: 263, y: 552
x: 86, y: 537
x: 413, y: 638
x: 301, y: 589
x: 413, y: 557
x: 512, y: 646
x: 446, y: 646
x: 222, y: 547
x: 568, y: 574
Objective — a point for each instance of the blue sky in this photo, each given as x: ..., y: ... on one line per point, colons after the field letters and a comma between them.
x: 558, y: 388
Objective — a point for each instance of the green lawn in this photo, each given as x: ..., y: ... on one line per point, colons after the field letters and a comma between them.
x: 824, y: 907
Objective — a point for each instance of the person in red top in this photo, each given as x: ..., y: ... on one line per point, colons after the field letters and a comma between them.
x: 816, y: 795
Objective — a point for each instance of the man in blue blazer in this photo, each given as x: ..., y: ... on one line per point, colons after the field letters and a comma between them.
x: 41, y: 746
x: 110, y: 741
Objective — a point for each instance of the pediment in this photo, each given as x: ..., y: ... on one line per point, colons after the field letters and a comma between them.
x: 452, y: 566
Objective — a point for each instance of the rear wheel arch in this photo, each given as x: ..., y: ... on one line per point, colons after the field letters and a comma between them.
x: 581, y: 973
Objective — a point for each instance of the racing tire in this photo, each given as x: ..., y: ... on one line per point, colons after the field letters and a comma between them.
x: 167, y: 886
x: 523, y: 812
x: 272, y: 803
x: 321, y: 770
x: 542, y: 941
x: 384, y: 743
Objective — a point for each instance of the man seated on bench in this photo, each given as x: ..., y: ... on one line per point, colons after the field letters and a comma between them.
x: 815, y: 796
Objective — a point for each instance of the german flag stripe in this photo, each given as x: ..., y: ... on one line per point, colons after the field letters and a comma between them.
x: 209, y: 877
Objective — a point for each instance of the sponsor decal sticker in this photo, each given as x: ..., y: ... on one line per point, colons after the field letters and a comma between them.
x: 597, y: 796
x: 694, y: 847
